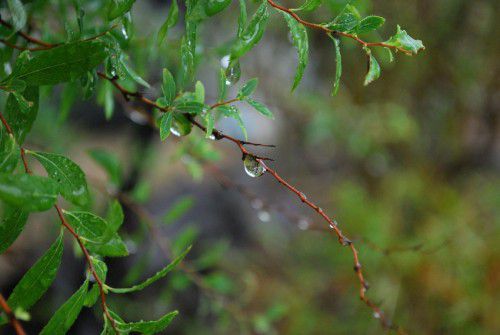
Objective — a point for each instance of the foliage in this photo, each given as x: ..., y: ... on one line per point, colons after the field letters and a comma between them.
x: 95, y: 54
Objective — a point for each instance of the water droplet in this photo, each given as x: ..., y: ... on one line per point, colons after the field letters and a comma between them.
x: 303, y: 224
x: 233, y: 73
x: 7, y: 68
x: 264, y: 216
x: 257, y: 203
x: 124, y: 33
x: 224, y: 62
x: 252, y: 167
x: 376, y: 315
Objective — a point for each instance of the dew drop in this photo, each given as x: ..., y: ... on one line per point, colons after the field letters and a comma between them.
x: 376, y: 315
x: 180, y: 127
x: 233, y: 73
x: 252, y: 167
x: 264, y: 216
x: 124, y: 33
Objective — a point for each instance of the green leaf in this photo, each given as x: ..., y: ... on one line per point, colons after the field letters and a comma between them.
x: 168, y: 87
x: 301, y: 43
x: 222, y: 86
x: 189, y: 107
x: 18, y: 14
x: 209, y: 124
x: 261, y: 108
x: 247, y: 89
x: 106, y: 99
x: 373, y: 68
x: 346, y: 20
x: 172, y: 18
x: 21, y: 121
x: 188, y: 52
x: 179, y: 208
x: 110, y: 163
x: 234, y: 113
x: 338, y: 65
x: 213, y: 7
x: 131, y: 74
x: 65, y: 316
x: 118, y: 8
x: 97, y: 234
x: 369, y: 23
x: 13, y: 222
x: 9, y: 152
x: 404, y: 41
x: 252, y: 34
x: 114, y: 215
x: 31, y: 193
x: 160, y: 274
x: 308, y: 6
x: 199, y: 92
x: 242, y: 18
x: 147, y: 327
x: 60, y: 64
x: 38, y: 278
x: 71, y: 179
x: 166, y: 125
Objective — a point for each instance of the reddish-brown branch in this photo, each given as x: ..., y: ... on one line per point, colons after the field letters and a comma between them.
x: 335, y: 32
x: 65, y: 223
x: 12, y: 318
x: 28, y: 37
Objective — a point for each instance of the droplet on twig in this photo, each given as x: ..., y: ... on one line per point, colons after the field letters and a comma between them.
x: 252, y: 167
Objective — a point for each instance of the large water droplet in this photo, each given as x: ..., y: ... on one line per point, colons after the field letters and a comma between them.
x: 233, y: 73
x: 252, y: 167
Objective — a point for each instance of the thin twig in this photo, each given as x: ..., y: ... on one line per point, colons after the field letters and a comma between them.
x: 12, y: 317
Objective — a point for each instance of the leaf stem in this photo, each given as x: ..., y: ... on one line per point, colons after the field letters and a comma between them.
x: 16, y: 324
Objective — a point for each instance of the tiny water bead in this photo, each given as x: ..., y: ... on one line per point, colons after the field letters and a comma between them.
x: 233, y: 73
x: 224, y: 61
x: 252, y: 167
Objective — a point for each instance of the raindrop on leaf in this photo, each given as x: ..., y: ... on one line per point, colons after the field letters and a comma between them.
x: 233, y: 73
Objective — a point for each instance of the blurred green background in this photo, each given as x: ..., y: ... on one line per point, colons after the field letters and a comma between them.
x: 408, y: 165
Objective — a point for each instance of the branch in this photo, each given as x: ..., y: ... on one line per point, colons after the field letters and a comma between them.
x: 335, y: 32
x: 65, y: 223
x: 12, y: 318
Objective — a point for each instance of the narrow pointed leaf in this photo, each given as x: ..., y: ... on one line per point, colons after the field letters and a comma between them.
x: 261, y: 108
x: 301, y: 43
x: 172, y: 18
x: 119, y: 7
x: 13, y: 222
x: 252, y: 33
x: 60, y: 64
x: 21, y: 121
x: 166, y: 125
x: 9, y: 152
x: 338, y: 65
x: 148, y: 327
x: 247, y: 89
x: 31, y: 193
x: 65, y: 316
x: 160, y: 274
x: 69, y: 176
x: 38, y: 278
x: 168, y: 87
x: 373, y: 69
x: 369, y: 23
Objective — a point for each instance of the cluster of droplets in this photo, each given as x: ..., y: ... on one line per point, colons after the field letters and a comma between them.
x: 253, y: 168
